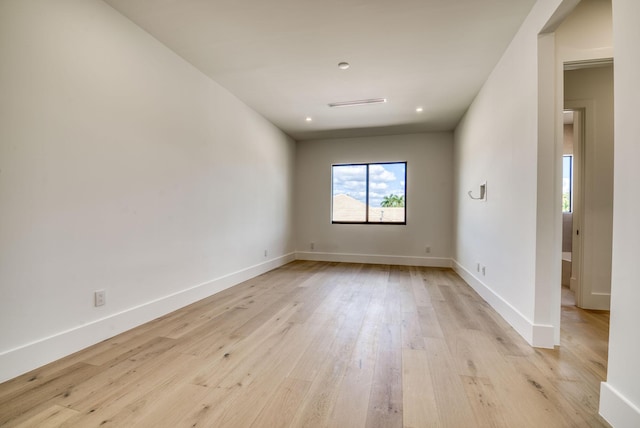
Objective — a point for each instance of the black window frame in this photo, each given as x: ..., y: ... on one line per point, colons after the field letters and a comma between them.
x: 367, y: 165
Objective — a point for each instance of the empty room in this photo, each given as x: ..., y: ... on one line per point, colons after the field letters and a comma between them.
x: 354, y: 213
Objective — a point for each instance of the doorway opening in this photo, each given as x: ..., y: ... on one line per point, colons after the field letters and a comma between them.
x: 587, y: 182
x: 571, y: 145
x: 587, y: 217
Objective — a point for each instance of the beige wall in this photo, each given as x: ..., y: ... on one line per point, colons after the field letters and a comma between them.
x: 586, y: 33
x: 567, y: 146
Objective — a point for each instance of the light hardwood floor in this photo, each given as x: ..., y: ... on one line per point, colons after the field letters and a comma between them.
x: 316, y: 344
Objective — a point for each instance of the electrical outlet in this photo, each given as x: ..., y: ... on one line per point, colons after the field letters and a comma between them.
x: 312, y: 245
x: 99, y: 298
x: 427, y: 249
x: 266, y: 253
x: 478, y: 266
x: 483, y: 270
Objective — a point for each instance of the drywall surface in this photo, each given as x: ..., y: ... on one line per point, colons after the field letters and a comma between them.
x: 567, y: 147
x: 507, y: 139
x: 429, y: 198
x: 122, y: 168
x: 593, y: 88
x: 620, y: 394
x: 587, y: 33
x: 497, y: 141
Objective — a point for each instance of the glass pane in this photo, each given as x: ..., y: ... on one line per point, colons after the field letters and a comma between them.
x: 567, y: 183
x: 349, y: 193
x: 387, y: 192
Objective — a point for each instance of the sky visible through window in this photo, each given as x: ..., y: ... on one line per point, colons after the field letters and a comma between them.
x: 384, y: 180
x: 567, y: 183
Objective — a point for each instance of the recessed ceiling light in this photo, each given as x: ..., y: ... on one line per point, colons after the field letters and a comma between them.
x: 358, y: 102
x: 343, y: 65
x: 419, y: 109
x: 308, y: 119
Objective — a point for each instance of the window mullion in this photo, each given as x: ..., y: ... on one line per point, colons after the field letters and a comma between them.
x: 366, y: 218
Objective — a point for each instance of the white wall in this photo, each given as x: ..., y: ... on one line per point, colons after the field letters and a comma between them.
x: 498, y: 141
x: 620, y: 394
x: 593, y: 89
x: 429, y: 199
x: 122, y: 168
x: 511, y: 136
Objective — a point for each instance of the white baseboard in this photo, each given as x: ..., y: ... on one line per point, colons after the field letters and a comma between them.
x: 597, y: 301
x: 540, y: 336
x: 616, y: 409
x: 25, y: 358
x: 374, y: 259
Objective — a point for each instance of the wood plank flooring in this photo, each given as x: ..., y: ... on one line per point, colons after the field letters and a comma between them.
x: 316, y: 344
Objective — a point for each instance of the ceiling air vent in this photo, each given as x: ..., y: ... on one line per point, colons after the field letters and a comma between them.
x: 358, y: 102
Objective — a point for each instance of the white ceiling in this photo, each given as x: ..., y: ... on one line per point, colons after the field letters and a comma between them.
x: 280, y: 56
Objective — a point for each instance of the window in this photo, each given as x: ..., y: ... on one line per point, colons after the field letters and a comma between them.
x: 369, y: 193
x: 567, y: 183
